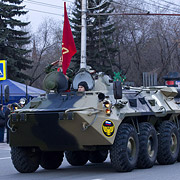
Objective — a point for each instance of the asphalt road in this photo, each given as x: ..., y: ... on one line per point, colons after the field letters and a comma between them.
x: 88, y: 172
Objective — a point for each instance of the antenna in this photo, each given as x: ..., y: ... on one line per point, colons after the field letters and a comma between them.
x: 83, y: 34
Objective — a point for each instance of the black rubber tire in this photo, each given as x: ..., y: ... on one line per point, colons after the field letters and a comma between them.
x: 51, y: 160
x: 24, y: 160
x: 98, y: 156
x: 124, y: 159
x: 178, y: 158
x: 167, y: 130
x: 77, y: 158
x: 147, y: 139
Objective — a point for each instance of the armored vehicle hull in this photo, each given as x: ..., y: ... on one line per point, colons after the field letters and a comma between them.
x: 136, y: 125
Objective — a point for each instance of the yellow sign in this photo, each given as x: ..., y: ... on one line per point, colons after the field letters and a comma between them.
x: 108, y: 128
x: 2, y: 70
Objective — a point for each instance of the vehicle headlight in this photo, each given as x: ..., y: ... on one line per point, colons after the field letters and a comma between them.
x: 107, y: 105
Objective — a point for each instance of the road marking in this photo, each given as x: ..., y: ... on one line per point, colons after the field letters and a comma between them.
x: 5, y: 158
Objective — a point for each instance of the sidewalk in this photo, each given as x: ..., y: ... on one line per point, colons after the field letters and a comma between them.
x: 4, y: 146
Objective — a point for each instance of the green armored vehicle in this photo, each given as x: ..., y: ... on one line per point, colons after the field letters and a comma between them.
x: 136, y: 126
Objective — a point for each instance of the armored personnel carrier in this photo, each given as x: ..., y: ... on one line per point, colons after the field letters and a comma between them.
x: 136, y: 126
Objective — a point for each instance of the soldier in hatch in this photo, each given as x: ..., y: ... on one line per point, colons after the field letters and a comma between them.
x: 82, y: 86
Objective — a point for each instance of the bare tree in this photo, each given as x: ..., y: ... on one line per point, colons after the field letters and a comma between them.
x: 46, y: 48
x: 146, y: 44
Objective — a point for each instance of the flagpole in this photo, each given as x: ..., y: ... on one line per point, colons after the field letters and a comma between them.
x: 83, y: 34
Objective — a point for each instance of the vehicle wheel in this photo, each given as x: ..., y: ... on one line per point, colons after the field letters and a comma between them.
x: 168, y: 140
x: 148, y: 146
x: 178, y: 158
x: 124, y: 151
x: 51, y: 160
x: 98, y: 156
x: 77, y: 158
x: 24, y: 160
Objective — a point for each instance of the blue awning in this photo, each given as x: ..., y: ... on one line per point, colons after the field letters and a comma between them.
x: 18, y: 90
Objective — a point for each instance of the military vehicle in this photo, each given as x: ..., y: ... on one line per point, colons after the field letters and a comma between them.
x: 172, y: 79
x: 137, y: 126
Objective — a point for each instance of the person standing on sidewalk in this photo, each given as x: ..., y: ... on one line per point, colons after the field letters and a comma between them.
x: 7, y: 112
x: 2, y: 123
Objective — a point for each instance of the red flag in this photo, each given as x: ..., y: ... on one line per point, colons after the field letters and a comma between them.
x: 68, y: 45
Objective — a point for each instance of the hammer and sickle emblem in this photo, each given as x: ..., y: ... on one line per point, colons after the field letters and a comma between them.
x: 65, y: 50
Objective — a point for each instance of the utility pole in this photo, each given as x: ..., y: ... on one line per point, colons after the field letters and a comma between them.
x: 83, y: 34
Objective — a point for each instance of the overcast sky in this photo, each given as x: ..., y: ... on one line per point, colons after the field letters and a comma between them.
x: 41, y: 9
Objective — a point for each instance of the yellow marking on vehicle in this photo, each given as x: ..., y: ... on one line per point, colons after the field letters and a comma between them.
x: 108, y: 128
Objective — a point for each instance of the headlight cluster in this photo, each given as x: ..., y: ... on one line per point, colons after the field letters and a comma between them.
x: 107, y: 105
